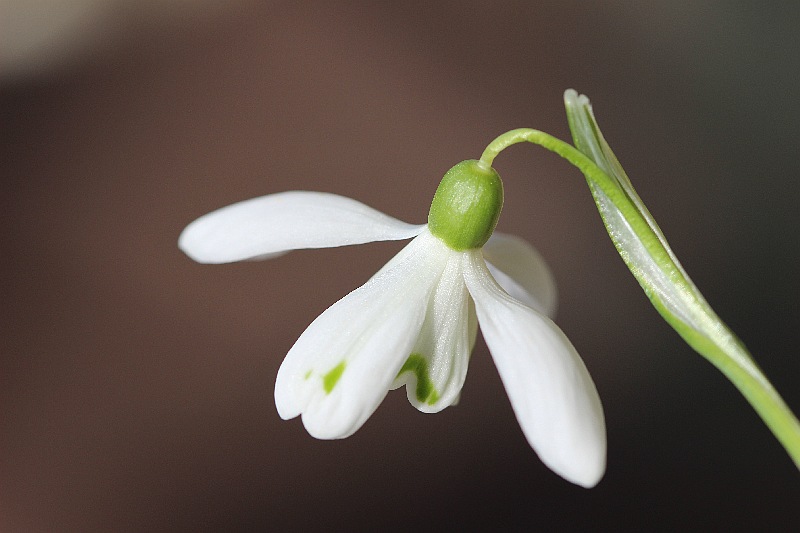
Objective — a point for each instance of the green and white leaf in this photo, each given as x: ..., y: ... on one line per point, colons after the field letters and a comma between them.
x: 647, y: 254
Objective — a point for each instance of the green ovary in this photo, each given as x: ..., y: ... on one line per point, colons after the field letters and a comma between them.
x: 330, y: 379
x: 425, y: 392
x: 466, y: 205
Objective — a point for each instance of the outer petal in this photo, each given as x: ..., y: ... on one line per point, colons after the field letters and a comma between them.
x: 522, y: 272
x: 276, y: 223
x: 437, y: 367
x: 553, y: 397
x: 341, y: 367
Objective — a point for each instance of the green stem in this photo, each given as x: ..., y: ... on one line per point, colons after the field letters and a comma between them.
x: 706, y: 333
x: 594, y: 175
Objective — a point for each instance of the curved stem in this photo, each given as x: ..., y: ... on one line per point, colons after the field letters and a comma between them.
x: 705, y: 332
x: 594, y: 174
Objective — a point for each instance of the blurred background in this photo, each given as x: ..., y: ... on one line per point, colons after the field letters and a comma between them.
x: 136, y: 386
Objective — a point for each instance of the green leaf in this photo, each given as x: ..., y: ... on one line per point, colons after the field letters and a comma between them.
x: 645, y: 250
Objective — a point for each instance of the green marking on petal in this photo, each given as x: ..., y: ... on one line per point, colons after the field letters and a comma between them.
x: 425, y: 392
x: 330, y: 379
x: 308, y: 375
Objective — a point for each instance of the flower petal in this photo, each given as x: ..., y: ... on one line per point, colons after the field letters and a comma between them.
x: 522, y: 272
x: 341, y: 367
x: 269, y: 225
x: 437, y: 367
x: 552, y: 394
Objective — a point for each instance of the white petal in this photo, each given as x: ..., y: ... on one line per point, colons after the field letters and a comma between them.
x: 472, y: 333
x: 521, y: 271
x: 472, y: 325
x: 437, y: 367
x: 269, y: 225
x: 552, y: 394
x: 341, y: 367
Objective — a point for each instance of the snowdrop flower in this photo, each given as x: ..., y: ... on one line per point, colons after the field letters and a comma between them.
x: 414, y: 323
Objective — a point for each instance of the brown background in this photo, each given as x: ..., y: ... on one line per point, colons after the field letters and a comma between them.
x: 136, y: 389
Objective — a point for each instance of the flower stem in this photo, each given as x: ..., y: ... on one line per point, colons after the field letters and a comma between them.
x: 691, y: 316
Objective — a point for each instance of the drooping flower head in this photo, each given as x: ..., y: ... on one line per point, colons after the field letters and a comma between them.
x: 414, y: 323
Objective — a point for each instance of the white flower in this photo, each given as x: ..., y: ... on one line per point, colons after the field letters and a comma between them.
x: 415, y: 322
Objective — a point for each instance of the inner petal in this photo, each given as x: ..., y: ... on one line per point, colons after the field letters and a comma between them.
x: 341, y: 367
x: 435, y: 371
